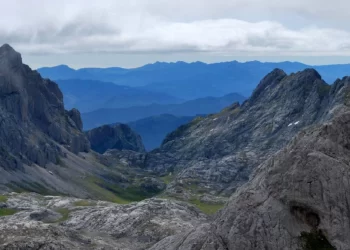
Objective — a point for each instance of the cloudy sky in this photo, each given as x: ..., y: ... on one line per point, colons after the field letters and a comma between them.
x: 129, y: 33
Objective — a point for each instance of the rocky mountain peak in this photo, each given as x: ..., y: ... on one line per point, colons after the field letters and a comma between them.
x: 269, y: 81
x: 9, y: 57
x: 311, y: 73
x: 34, y: 121
x: 219, y: 152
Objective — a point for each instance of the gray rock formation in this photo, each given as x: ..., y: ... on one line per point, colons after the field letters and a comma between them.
x: 48, y: 222
x: 297, y: 199
x: 217, y: 154
x: 74, y: 114
x: 33, y: 121
x: 42, y: 146
x: 118, y: 136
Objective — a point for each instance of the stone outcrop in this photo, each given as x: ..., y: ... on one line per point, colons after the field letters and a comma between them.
x: 118, y: 136
x: 33, y: 121
x: 48, y: 222
x: 297, y: 199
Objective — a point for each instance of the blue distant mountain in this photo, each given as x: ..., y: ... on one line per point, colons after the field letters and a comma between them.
x: 202, y: 106
x: 154, y: 129
x: 89, y: 95
x: 192, y: 80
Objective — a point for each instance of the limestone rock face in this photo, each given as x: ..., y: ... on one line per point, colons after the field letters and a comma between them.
x: 118, y: 136
x: 218, y: 153
x: 32, y: 117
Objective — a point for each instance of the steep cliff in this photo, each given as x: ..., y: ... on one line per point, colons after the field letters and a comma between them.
x: 32, y: 115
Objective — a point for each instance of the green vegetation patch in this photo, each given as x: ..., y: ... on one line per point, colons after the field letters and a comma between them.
x: 84, y: 203
x: 36, y: 187
x: 64, y: 212
x: 7, y: 211
x: 206, y: 207
x: 168, y: 178
x: 315, y: 240
x: 115, y: 193
x: 3, y: 198
x: 96, y: 185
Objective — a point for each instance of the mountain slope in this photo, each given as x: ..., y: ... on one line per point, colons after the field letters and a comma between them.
x: 297, y: 199
x: 43, y: 148
x: 217, y: 154
x: 193, y: 80
x: 154, y: 129
x: 204, y: 106
x: 89, y: 95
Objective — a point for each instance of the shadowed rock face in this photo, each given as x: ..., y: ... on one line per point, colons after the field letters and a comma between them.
x: 118, y: 136
x: 32, y: 117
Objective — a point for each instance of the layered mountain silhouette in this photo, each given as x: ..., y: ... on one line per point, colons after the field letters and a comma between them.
x: 154, y: 129
x: 192, y: 80
x: 90, y: 95
x: 203, y: 106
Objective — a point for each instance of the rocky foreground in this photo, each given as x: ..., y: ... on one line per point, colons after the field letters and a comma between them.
x: 53, y: 222
x: 297, y: 199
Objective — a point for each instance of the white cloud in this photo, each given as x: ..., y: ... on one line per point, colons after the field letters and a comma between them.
x: 251, y: 27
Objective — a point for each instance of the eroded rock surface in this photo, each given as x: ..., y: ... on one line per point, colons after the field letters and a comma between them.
x: 50, y: 222
x: 297, y: 198
x: 217, y: 154
x: 32, y: 116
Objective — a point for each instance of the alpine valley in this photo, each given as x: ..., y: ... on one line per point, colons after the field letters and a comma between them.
x: 223, y: 172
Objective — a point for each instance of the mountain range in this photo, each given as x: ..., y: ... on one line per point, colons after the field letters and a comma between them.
x: 192, y: 80
x: 206, y: 105
x: 154, y: 129
x: 90, y: 95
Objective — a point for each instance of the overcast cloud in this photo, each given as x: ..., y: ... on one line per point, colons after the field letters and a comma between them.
x: 43, y: 30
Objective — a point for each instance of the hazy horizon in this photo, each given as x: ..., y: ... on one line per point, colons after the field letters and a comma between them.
x: 315, y: 62
x: 86, y: 33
